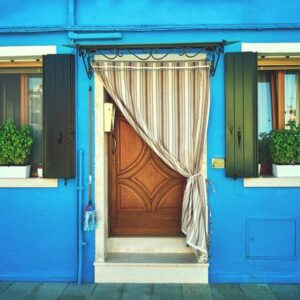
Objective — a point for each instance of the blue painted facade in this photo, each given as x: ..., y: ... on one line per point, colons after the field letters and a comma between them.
x: 38, y: 235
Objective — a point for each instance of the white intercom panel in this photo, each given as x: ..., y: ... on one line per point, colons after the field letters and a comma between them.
x: 109, y: 116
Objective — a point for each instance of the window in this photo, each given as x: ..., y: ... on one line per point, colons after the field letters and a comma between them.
x: 21, y: 99
x: 42, y: 95
x: 256, y: 101
x: 278, y: 95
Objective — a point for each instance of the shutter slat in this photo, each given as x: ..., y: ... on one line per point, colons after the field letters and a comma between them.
x: 59, y: 120
x: 241, y: 114
x: 229, y: 77
x: 49, y: 115
x: 71, y: 121
x: 250, y: 117
x: 60, y: 126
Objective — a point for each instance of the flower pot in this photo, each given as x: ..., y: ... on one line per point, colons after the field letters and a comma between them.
x: 286, y: 170
x: 40, y: 172
x: 14, y: 171
x: 266, y: 169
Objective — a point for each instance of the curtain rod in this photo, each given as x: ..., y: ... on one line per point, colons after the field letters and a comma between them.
x: 120, y: 68
x: 194, y: 45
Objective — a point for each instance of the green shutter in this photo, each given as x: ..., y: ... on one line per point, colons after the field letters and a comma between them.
x: 241, y: 114
x: 59, y: 116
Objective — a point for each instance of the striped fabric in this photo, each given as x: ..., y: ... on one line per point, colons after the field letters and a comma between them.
x: 167, y: 103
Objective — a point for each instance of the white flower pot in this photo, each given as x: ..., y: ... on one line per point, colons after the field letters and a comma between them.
x: 286, y: 170
x: 40, y: 172
x: 14, y: 171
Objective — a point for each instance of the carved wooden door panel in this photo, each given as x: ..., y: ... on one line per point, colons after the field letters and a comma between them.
x: 145, y: 195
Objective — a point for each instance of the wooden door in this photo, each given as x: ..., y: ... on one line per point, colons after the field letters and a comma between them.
x: 145, y: 195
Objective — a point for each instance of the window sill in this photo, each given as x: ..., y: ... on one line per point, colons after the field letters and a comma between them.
x: 272, y: 182
x: 29, y: 183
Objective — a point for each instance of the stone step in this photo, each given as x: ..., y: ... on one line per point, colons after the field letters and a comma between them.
x: 148, y: 245
x: 151, y: 268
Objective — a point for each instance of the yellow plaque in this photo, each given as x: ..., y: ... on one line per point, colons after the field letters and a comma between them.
x: 218, y: 163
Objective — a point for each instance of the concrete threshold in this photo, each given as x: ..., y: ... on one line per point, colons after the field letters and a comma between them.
x: 151, y: 268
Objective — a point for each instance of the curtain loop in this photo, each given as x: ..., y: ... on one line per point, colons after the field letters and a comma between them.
x: 195, y: 175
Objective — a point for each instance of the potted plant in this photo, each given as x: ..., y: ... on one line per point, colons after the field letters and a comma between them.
x: 15, y: 144
x: 285, y: 151
x: 264, y: 153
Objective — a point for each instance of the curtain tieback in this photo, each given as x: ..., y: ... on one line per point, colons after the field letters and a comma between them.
x: 195, y: 175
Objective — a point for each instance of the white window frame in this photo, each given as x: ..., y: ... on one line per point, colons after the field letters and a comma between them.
x: 271, y: 48
x: 27, y: 53
x: 10, y: 52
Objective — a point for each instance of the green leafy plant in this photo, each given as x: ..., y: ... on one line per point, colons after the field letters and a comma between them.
x: 285, y: 145
x: 264, y: 148
x: 15, y: 144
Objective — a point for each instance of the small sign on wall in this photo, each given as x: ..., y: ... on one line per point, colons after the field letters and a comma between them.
x: 218, y: 163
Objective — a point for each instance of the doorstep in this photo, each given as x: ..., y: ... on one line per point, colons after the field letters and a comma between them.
x: 151, y: 268
x: 148, y: 245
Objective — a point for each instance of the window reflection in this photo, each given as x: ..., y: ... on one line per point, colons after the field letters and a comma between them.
x: 278, y: 99
x: 35, y: 102
x: 21, y: 99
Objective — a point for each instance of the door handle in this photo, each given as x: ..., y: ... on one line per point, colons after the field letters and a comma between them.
x: 114, y: 146
x: 59, y: 138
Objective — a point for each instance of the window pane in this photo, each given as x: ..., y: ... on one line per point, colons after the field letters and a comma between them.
x: 298, y: 97
x: 264, y: 103
x: 21, y: 100
x: 35, y: 97
x: 291, y: 96
x: 10, y: 92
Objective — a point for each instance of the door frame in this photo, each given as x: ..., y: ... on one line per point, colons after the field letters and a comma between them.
x: 101, y: 172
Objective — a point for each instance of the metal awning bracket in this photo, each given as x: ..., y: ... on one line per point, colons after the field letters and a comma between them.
x: 157, y: 52
x: 86, y: 58
x: 214, y: 54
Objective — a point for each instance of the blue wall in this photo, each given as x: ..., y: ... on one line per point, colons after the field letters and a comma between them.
x: 38, y: 234
x: 251, y: 226
x: 187, y: 12
x: 255, y: 230
x: 145, y: 12
x: 38, y: 227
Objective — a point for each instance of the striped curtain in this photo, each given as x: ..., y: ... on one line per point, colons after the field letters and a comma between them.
x: 167, y: 103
